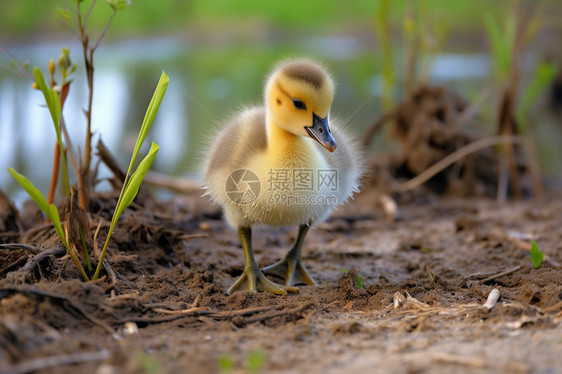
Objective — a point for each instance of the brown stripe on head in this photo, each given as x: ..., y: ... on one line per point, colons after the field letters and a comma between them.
x: 305, y: 71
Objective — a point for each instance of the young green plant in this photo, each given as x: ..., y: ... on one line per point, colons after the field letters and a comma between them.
x: 536, y: 255
x: 131, y: 185
x: 51, y: 211
x: 52, y: 99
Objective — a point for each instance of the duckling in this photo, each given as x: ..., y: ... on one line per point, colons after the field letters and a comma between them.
x: 286, y: 163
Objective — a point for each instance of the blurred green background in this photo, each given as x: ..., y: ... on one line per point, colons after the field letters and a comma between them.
x: 218, y: 52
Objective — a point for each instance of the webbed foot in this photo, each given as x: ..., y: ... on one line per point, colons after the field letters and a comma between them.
x: 254, y: 280
x: 292, y: 270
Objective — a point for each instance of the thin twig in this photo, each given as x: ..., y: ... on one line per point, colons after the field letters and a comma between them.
x: 193, y: 236
x: 458, y: 155
x: 20, y: 73
x: 168, y: 318
x: 104, y: 31
x: 36, y: 260
x: 183, y: 311
x: 110, y: 161
x: 472, y: 109
x: 196, y: 301
x: 36, y: 230
x: 277, y: 314
x: 203, y: 312
x: 109, y: 270
x: 459, y: 360
x: 53, y: 361
x: 31, y: 248
x: 176, y: 184
x: 553, y: 308
x: 12, y: 56
x: 501, y: 274
x: 243, y: 312
x: 376, y: 126
x: 89, y: 11
x: 60, y: 298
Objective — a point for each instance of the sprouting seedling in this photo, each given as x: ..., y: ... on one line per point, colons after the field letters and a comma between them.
x: 359, y: 282
x: 255, y: 360
x: 150, y: 364
x: 131, y: 185
x: 50, y: 211
x: 226, y: 363
x: 430, y: 274
x: 536, y: 255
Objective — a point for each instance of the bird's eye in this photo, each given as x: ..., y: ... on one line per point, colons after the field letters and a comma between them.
x: 299, y: 104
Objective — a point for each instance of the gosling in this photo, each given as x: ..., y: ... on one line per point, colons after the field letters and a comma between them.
x: 286, y: 163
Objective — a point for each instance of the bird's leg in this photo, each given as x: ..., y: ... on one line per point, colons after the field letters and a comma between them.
x: 291, y: 268
x: 253, y: 279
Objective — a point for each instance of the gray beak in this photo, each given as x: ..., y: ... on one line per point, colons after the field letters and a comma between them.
x: 320, y: 132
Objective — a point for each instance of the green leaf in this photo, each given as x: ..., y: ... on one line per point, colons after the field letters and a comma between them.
x: 117, y: 4
x: 359, y: 282
x: 255, y: 361
x: 150, y: 114
x: 53, y: 103
x: 130, y: 188
x: 536, y: 255
x: 226, y: 363
x: 51, y: 212
x: 64, y: 14
x: 51, y: 98
x: 544, y: 75
x: 36, y: 195
x: 500, y: 46
x: 136, y: 179
x: 33, y: 192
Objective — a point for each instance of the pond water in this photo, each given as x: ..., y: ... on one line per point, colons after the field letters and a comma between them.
x: 207, y: 84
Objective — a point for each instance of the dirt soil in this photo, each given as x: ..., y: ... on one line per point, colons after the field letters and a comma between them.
x: 393, y: 297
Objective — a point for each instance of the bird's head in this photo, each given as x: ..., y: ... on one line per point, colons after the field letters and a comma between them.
x: 299, y: 95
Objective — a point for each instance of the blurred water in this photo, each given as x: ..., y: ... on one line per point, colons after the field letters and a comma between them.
x: 205, y: 87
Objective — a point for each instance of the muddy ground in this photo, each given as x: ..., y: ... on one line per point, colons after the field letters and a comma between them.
x: 400, y: 297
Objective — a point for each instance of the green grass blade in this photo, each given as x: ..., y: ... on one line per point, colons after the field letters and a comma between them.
x: 128, y: 191
x: 53, y: 103
x: 36, y: 195
x: 51, y: 212
x: 543, y: 76
x: 54, y: 217
x: 33, y: 192
x: 126, y: 198
x: 151, y: 111
x: 136, y: 179
x: 150, y: 114
x: 499, y: 47
x: 51, y: 98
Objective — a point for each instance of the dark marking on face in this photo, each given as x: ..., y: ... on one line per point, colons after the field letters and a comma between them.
x: 305, y: 72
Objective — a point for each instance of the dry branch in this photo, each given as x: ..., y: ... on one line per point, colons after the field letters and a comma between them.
x: 500, y: 274
x: 34, y: 292
x: 463, y: 152
x: 53, y: 361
